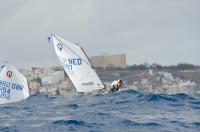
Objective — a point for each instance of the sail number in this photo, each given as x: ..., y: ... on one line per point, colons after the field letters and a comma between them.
x: 4, y: 93
x: 5, y: 88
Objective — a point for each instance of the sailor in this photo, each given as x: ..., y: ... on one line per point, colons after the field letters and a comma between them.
x: 116, y: 85
x: 57, y: 91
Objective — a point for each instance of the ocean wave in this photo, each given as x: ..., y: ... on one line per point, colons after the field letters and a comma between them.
x: 73, y: 106
x: 4, y: 129
x: 72, y: 122
x: 121, y: 111
x: 159, y: 97
x: 128, y: 123
x: 196, y: 123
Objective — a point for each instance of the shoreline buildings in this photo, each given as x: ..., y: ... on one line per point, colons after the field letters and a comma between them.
x: 109, y: 67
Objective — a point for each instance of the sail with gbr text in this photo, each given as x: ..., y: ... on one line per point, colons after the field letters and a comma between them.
x: 77, y: 65
x: 13, y: 85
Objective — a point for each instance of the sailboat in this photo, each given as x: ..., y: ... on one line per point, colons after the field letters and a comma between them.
x: 13, y: 85
x: 77, y: 65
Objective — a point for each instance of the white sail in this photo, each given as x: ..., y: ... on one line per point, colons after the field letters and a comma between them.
x: 13, y: 85
x: 77, y: 65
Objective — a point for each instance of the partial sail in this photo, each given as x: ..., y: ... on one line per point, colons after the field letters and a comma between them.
x: 77, y: 65
x: 13, y: 85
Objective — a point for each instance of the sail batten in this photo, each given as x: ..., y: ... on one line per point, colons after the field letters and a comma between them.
x: 77, y: 65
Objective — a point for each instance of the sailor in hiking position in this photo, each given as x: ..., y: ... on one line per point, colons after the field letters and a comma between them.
x: 116, y: 85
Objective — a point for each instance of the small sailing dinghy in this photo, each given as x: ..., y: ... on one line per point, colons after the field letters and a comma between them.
x: 77, y: 65
x: 13, y: 85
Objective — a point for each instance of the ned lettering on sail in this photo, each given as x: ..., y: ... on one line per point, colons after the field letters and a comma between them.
x: 70, y: 62
x: 74, y: 61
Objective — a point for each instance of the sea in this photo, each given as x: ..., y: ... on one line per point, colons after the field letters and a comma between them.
x: 125, y: 111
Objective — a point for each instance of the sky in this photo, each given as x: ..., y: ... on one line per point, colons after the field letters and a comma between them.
x: 162, y: 31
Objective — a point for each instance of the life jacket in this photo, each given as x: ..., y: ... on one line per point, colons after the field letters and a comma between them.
x: 116, y: 83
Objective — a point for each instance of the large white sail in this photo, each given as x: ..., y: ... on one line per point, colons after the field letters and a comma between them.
x: 77, y: 65
x: 13, y: 85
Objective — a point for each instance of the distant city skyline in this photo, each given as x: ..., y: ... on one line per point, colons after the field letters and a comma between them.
x: 164, y: 32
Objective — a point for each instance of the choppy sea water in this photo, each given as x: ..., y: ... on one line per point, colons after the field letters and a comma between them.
x: 118, y: 112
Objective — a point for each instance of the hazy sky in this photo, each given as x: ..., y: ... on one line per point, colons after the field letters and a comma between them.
x: 162, y: 31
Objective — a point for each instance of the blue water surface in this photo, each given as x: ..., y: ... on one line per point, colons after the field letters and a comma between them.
x: 126, y: 111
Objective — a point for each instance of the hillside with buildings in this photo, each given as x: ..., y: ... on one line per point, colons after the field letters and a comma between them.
x: 182, y: 78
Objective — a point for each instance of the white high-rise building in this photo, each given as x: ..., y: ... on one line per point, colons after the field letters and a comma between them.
x: 109, y: 61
